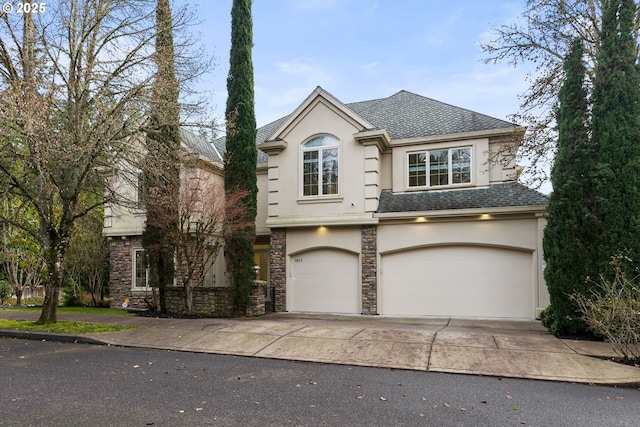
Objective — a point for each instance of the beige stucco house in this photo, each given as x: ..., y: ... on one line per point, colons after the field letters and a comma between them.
x: 400, y: 206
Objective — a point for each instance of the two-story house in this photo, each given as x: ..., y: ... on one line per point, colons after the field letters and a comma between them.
x: 124, y: 222
x: 400, y: 206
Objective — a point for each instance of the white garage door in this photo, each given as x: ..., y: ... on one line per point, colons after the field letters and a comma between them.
x: 325, y: 281
x: 458, y: 281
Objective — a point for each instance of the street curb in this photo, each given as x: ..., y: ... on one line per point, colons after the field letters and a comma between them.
x: 46, y: 336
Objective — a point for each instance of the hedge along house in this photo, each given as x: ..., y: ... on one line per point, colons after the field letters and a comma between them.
x: 400, y: 206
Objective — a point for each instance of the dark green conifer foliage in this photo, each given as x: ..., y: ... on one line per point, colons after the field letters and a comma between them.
x: 571, y: 229
x: 161, y: 171
x: 241, y: 154
x: 616, y: 131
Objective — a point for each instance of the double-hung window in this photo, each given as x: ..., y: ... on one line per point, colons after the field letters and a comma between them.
x: 437, y: 168
x: 320, y: 163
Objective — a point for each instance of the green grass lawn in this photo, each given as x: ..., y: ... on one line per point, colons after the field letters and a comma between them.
x: 75, y: 310
x: 65, y: 326
x: 62, y: 326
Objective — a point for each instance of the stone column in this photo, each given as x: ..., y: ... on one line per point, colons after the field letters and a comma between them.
x: 120, y: 271
x: 278, y: 268
x: 369, y: 269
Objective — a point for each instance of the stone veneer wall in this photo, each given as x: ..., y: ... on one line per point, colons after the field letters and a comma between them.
x: 369, y: 269
x: 215, y: 301
x: 121, y: 273
x: 278, y: 268
x: 207, y: 301
x: 257, y: 299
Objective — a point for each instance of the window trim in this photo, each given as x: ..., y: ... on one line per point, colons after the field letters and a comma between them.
x: 146, y: 287
x: 134, y: 271
x: 320, y: 149
x: 450, y: 184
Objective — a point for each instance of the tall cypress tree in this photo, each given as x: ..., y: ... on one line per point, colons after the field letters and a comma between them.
x: 241, y: 154
x: 162, y: 168
x: 616, y: 131
x: 571, y: 229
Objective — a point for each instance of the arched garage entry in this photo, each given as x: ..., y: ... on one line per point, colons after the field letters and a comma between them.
x: 457, y: 281
x: 324, y: 281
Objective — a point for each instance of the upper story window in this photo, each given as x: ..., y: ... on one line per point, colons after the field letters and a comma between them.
x: 440, y: 167
x: 320, y: 159
x: 141, y: 192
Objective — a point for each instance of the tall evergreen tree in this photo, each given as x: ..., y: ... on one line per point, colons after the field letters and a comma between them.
x: 241, y: 155
x: 162, y: 173
x: 616, y: 131
x: 571, y: 229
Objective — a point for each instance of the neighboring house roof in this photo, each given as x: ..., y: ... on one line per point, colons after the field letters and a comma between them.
x: 199, y: 146
x: 511, y: 194
x: 261, y: 135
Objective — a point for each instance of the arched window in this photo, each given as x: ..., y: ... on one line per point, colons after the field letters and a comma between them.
x: 320, y: 159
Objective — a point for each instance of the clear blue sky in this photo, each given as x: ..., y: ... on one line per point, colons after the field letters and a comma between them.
x: 366, y: 49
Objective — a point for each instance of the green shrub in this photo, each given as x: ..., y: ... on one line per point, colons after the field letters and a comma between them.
x: 5, y: 291
x: 36, y: 301
x: 547, y: 317
x: 613, y: 312
x: 69, y: 299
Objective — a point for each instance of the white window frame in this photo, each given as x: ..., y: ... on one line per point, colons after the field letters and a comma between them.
x: 320, y: 184
x: 134, y: 271
x: 450, y: 183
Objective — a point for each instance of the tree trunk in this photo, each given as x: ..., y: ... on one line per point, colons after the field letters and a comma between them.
x: 49, y: 312
x: 55, y: 254
x: 188, y: 298
x: 18, y: 292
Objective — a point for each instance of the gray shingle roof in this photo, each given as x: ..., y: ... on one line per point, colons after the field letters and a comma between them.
x: 199, y: 145
x: 510, y: 194
x: 403, y: 115
x: 407, y: 115
x: 261, y: 135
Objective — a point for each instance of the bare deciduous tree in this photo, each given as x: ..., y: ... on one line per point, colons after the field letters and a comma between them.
x: 205, y: 219
x: 74, y: 88
x: 541, y: 37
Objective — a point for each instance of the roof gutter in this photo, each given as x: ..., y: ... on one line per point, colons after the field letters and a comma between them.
x: 515, y: 130
x: 538, y: 210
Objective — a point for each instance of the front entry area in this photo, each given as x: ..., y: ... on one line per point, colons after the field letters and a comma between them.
x: 324, y: 281
x: 457, y: 281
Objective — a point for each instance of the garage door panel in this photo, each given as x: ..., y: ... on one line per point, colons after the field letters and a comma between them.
x: 465, y: 281
x: 325, y: 281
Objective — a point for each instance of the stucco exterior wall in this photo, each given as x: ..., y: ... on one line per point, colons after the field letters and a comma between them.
x: 513, y: 233
x: 261, y: 215
x: 285, y: 171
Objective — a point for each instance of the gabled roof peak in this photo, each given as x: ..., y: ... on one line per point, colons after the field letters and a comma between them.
x: 319, y: 95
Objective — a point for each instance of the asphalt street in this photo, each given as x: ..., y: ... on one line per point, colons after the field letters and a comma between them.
x: 58, y: 384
